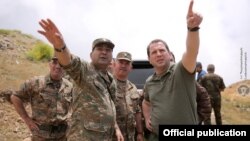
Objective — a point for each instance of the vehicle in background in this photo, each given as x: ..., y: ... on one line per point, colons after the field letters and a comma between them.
x: 142, y: 69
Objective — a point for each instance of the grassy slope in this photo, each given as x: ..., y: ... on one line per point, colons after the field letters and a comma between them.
x: 236, y: 108
x: 15, y: 69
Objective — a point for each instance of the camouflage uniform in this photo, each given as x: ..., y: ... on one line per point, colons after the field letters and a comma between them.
x: 214, y: 84
x: 50, y: 103
x: 204, y: 108
x: 93, y: 116
x: 5, y: 94
x: 127, y: 105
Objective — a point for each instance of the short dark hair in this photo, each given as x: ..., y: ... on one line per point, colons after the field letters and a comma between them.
x: 173, y: 57
x: 198, y: 64
x: 156, y: 41
x: 210, y: 68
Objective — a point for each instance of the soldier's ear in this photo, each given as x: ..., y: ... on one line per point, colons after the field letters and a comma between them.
x: 114, y: 63
x: 90, y: 54
x: 130, y: 67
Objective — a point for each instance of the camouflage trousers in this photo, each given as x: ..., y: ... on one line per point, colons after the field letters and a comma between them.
x: 37, y: 138
x: 78, y: 133
x: 216, y: 106
x: 48, y: 132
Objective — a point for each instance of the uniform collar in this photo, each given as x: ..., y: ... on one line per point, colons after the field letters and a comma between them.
x: 167, y: 71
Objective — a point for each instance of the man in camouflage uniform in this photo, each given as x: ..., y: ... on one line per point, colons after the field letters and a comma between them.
x: 50, y: 97
x: 93, y: 111
x: 128, y: 111
x: 214, y: 84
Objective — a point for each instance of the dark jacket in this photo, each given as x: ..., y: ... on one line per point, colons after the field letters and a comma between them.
x: 203, y: 103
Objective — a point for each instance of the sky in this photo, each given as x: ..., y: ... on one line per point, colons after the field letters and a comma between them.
x: 132, y: 24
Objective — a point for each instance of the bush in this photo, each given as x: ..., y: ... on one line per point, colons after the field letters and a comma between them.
x: 5, y: 32
x: 40, y: 52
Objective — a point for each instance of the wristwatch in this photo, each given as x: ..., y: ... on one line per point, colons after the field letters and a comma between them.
x: 193, y: 29
x: 60, y: 49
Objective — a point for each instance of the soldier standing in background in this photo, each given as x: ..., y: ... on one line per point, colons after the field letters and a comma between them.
x: 214, y: 84
x: 50, y: 97
x: 200, y: 71
x: 128, y: 111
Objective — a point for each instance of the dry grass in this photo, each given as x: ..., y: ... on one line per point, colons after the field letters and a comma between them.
x: 14, y: 67
x: 14, y: 70
x: 235, y: 107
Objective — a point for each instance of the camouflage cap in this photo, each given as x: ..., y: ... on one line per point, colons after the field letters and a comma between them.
x: 124, y: 56
x: 103, y: 41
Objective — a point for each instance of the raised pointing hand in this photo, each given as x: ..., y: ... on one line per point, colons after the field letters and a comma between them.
x: 193, y: 19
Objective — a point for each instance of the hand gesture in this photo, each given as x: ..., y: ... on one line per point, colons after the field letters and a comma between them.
x: 118, y: 134
x: 52, y: 33
x: 32, y: 125
x: 193, y: 19
x: 148, y: 125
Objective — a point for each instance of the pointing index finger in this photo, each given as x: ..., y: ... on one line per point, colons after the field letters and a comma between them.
x: 190, y: 8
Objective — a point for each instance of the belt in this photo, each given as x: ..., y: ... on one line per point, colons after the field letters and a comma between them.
x: 53, y: 128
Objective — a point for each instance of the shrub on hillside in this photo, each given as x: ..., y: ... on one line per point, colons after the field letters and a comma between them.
x: 40, y: 52
x: 5, y: 32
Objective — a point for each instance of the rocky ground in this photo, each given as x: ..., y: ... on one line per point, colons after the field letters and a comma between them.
x: 14, y: 69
